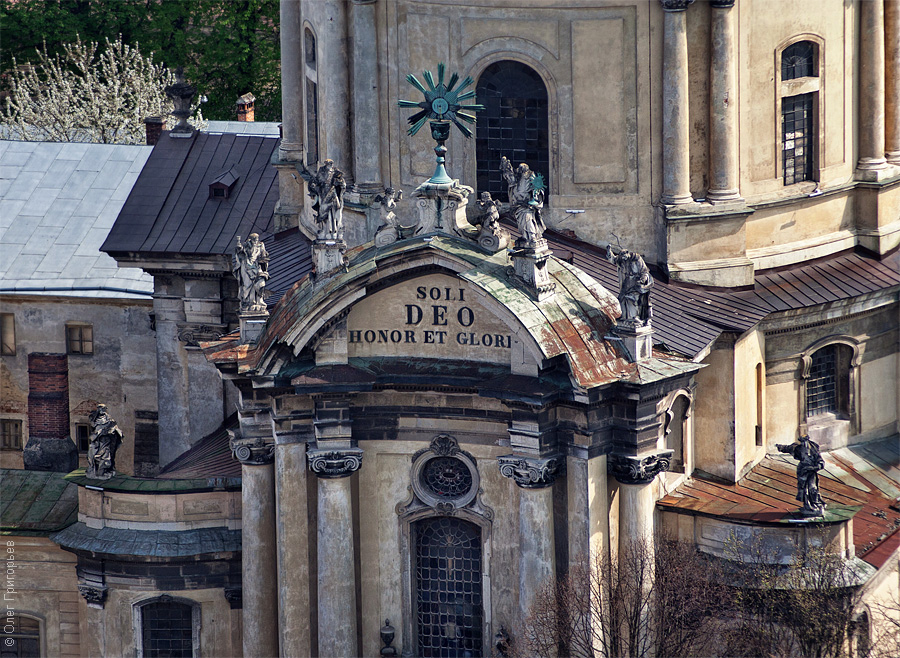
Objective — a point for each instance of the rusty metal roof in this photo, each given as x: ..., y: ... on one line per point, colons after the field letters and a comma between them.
x: 866, y: 476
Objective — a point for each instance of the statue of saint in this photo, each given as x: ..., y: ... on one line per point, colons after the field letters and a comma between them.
x: 809, y: 464
x: 488, y: 213
x: 326, y: 188
x: 634, y: 286
x: 526, y: 198
x: 249, y: 264
x: 105, y: 439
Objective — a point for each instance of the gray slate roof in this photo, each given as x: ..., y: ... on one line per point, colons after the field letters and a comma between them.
x: 58, y: 202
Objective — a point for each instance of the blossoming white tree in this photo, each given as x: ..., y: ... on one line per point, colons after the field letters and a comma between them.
x: 89, y: 95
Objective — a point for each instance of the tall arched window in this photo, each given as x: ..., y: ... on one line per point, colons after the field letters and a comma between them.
x: 448, y: 587
x: 799, y: 111
x: 514, y: 123
x: 312, y: 97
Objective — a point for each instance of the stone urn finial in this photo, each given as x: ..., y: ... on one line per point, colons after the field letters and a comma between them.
x: 181, y: 93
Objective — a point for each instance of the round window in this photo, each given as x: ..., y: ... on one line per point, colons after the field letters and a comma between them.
x: 447, y: 478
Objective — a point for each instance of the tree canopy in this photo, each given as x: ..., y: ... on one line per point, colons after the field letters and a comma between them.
x: 227, y: 47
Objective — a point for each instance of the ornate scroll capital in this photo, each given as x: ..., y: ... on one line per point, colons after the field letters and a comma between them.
x: 235, y: 597
x: 95, y: 595
x: 530, y: 472
x: 675, y: 5
x: 637, y: 469
x: 253, y: 452
x: 334, y: 463
x: 721, y: 4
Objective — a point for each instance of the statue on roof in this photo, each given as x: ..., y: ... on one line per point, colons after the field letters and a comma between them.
x: 526, y: 198
x: 492, y: 236
x: 326, y: 188
x: 809, y: 463
x: 249, y: 264
x: 634, y: 285
x: 105, y: 439
x: 388, y: 202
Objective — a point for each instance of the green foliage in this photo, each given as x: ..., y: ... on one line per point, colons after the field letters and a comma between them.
x: 227, y: 47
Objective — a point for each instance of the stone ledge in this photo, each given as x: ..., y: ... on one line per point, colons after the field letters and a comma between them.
x: 151, y: 543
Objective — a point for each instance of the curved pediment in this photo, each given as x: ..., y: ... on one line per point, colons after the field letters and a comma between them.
x: 438, y: 298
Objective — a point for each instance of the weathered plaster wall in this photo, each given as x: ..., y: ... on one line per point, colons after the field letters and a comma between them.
x: 714, y: 417
x: 121, y: 373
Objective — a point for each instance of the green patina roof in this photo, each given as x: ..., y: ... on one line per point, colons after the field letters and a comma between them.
x: 126, y: 483
x: 36, y: 502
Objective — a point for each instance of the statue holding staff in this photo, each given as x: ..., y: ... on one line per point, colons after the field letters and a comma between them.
x: 809, y: 463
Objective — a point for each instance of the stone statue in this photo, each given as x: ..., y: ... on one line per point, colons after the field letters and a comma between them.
x: 249, y: 264
x: 634, y: 286
x: 526, y: 198
x: 388, y: 202
x: 105, y: 439
x: 810, y: 462
x: 492, y: 236
x: 326, y: 188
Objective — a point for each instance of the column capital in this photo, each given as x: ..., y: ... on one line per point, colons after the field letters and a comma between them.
x: 675, y: 5
x: 253, y: 452
x: 721, y: 4
x: 639, y: 469
x: 95, y: 595
x: 331, y: 463
x: 530, y: 472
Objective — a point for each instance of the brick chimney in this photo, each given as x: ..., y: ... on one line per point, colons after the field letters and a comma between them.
x: 245, y: 107
x: 154, y: 126
x: 49, y: 447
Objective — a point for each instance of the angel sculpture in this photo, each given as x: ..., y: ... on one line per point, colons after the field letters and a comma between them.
x: 526, y: 198
x: 388, y: 202
x: 326, y: 188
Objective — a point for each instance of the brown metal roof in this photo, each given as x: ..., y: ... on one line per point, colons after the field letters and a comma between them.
x: 865, y: 476
x: 209, y: 457
x: 169, y: 209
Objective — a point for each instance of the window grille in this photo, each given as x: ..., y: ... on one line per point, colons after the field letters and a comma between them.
x: 21, y: 637
x: 11, y: 433
x: 447, y: 477
x: 167, y: 630
x: 79, y: 339
x: 448, y: 588
x: 821, y: 387
x: 797, y: 138
x: 798, y: 61
x: 514, y: 124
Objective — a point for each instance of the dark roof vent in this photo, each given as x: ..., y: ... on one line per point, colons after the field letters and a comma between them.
x: 223, y: 185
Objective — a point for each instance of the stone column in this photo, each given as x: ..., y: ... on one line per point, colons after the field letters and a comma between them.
x: 636, y: 503
x: 258, y: 546
x: 537, y: 553
x: 334, y: 82
x: 366, y: 120
x: 676, y: 128
x: 291, y: 148
x: 872, y: 162
x: 337, y: 565
x: 293, y: 549
x: 892, y: 80
x: 723, y: 169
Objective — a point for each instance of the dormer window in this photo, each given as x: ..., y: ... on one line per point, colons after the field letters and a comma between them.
x: 223, y: 185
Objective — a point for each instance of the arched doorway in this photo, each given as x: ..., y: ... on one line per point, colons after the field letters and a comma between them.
x: 514, y: 123
x: 449, y: 613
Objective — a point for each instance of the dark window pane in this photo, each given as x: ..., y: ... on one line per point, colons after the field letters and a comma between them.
x: 514, y: 123
x: 797, y: 138
x: 448, y: 588
x: 167, y: 630
x: 312, y: 122
x: 821, y: 387
x: 798, y: 61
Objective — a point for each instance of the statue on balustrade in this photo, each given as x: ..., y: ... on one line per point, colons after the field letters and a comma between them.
x: 249, y: 264
x: 326, y: 189
x: 105, y: 439
x: 634, y: 286
x: 526, y: 198
x: 809, y: 464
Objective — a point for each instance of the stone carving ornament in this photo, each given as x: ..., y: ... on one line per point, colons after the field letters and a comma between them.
x: 526, y: 198
x: 630, y: 469
x: 675, y: 5
x: 334, y: 463
x: 530, y: 472
x: 326, y: 189
x: 634, y: 286
x: 95, y: 595
x: 255, y: 452
x: 809, y: 463
x: 105, y: 439
x: 491, y: 236
x: 249, y: 264
x: 390, y: 229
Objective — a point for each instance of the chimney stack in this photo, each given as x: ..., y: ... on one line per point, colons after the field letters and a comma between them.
x: 245, y: 107
x: 49, y: 447
x: 154, y: 126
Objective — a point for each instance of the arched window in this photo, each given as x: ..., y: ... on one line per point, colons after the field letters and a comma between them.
x: 449, y: 611
x: 312, y: 97
x: 675, y: 430
x: 168, y: 627
x: 799, y: 111
x: 514, y: 124
x: 828, y: 385
x: 21, y: 637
